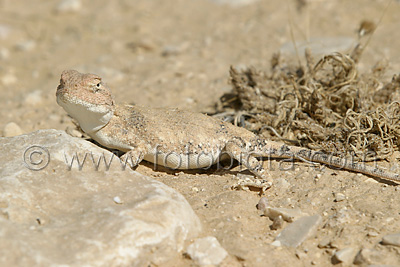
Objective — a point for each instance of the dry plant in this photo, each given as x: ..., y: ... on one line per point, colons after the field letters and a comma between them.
x: 326, y: 105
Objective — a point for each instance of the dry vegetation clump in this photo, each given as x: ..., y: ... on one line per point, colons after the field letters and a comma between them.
x: 325, y: 105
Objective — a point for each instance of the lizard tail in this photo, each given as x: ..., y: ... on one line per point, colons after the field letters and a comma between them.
x: 272, y: 149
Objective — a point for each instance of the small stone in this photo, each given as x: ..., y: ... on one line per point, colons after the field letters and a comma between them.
x: 28, y: 45
x: 117, y: 200
x: 371, y: 180
x: 69, y: 6
x: 206, y: 251
x: 367, y: 256
x: 9, y: 79
x: 11, y: 129
x: 339, y: 197
x: 324, y: 243
x: 234, y: 3
x: 277, y: 224
x: 392, y: 239
x: 282, y: 183
x: 276, y: 243
x: 301, y: 229
x: 4, y: 31
x: 195, y: 189
x: 262, y: 204
x: 301, y: 255
x: 345, y: 256
x: 4, y: 53
x: 372, y: 234
x: 34, y: 98
x: 288, y: 215
x: 172, y: 50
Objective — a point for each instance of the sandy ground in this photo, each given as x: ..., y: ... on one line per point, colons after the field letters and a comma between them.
x: 178, y: 54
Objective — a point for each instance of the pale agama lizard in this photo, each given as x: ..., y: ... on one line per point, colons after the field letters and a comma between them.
x: 176, y: 138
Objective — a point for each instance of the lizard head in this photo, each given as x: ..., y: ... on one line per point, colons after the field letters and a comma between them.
x: 85, y: 98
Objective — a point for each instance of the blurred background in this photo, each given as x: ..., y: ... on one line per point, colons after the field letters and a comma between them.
x: 170, y: 53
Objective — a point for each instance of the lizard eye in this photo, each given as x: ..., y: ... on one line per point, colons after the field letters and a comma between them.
x: 97, y: 87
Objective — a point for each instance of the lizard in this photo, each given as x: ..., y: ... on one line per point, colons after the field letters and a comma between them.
x: 176, y: 138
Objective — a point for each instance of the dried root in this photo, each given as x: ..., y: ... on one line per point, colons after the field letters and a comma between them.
x: 326, y: 105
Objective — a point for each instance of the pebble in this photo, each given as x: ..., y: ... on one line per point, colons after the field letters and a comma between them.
x: 297, y: 232
x: 172, y: 50
x: 392, y: 239
x: 234, y: 3
x: 9, y: 79
x: 367, y: 256
x: 262, y: 204
x: 25, y: 46
x: 117, y: 200
x: 206, y: 251
x: 69, y: 6
x: 195, y: 189
x: 4, y: 31
x: 277, y: 224
x: 34, y: 98
x: 372, y: 234
x: 339, y: 197
x: 276, y: 243
x: 11, y: 129
x: 288, y: 215
x: 345, y: 256
x: 4, y: 53
x: 324, y: 243
x: 301, y: 255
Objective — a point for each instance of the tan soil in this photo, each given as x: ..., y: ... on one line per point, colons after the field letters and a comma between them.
x: 178, y: 54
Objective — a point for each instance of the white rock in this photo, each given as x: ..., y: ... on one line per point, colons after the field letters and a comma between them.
x: 278, y: 223
x: 11, y: 129
x: 276, y: 243
x: 4, y: 31
x: 61, y: 217
x: 117, y: 200
x: 69, y: 6
x: 25, y: 46
x: 4, y: 53
x: 339, y: 197
x: 392, y: 239
x: 206, y: 251
x: 34, y: 98
x: 262, y: 204
x: 298, y: 231
x: 368, y: 256
x: 234, y: 3
x: 345, y: 256
x: 9, y: 79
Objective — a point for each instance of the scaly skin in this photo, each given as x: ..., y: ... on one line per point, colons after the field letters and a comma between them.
x: 175, y: 138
